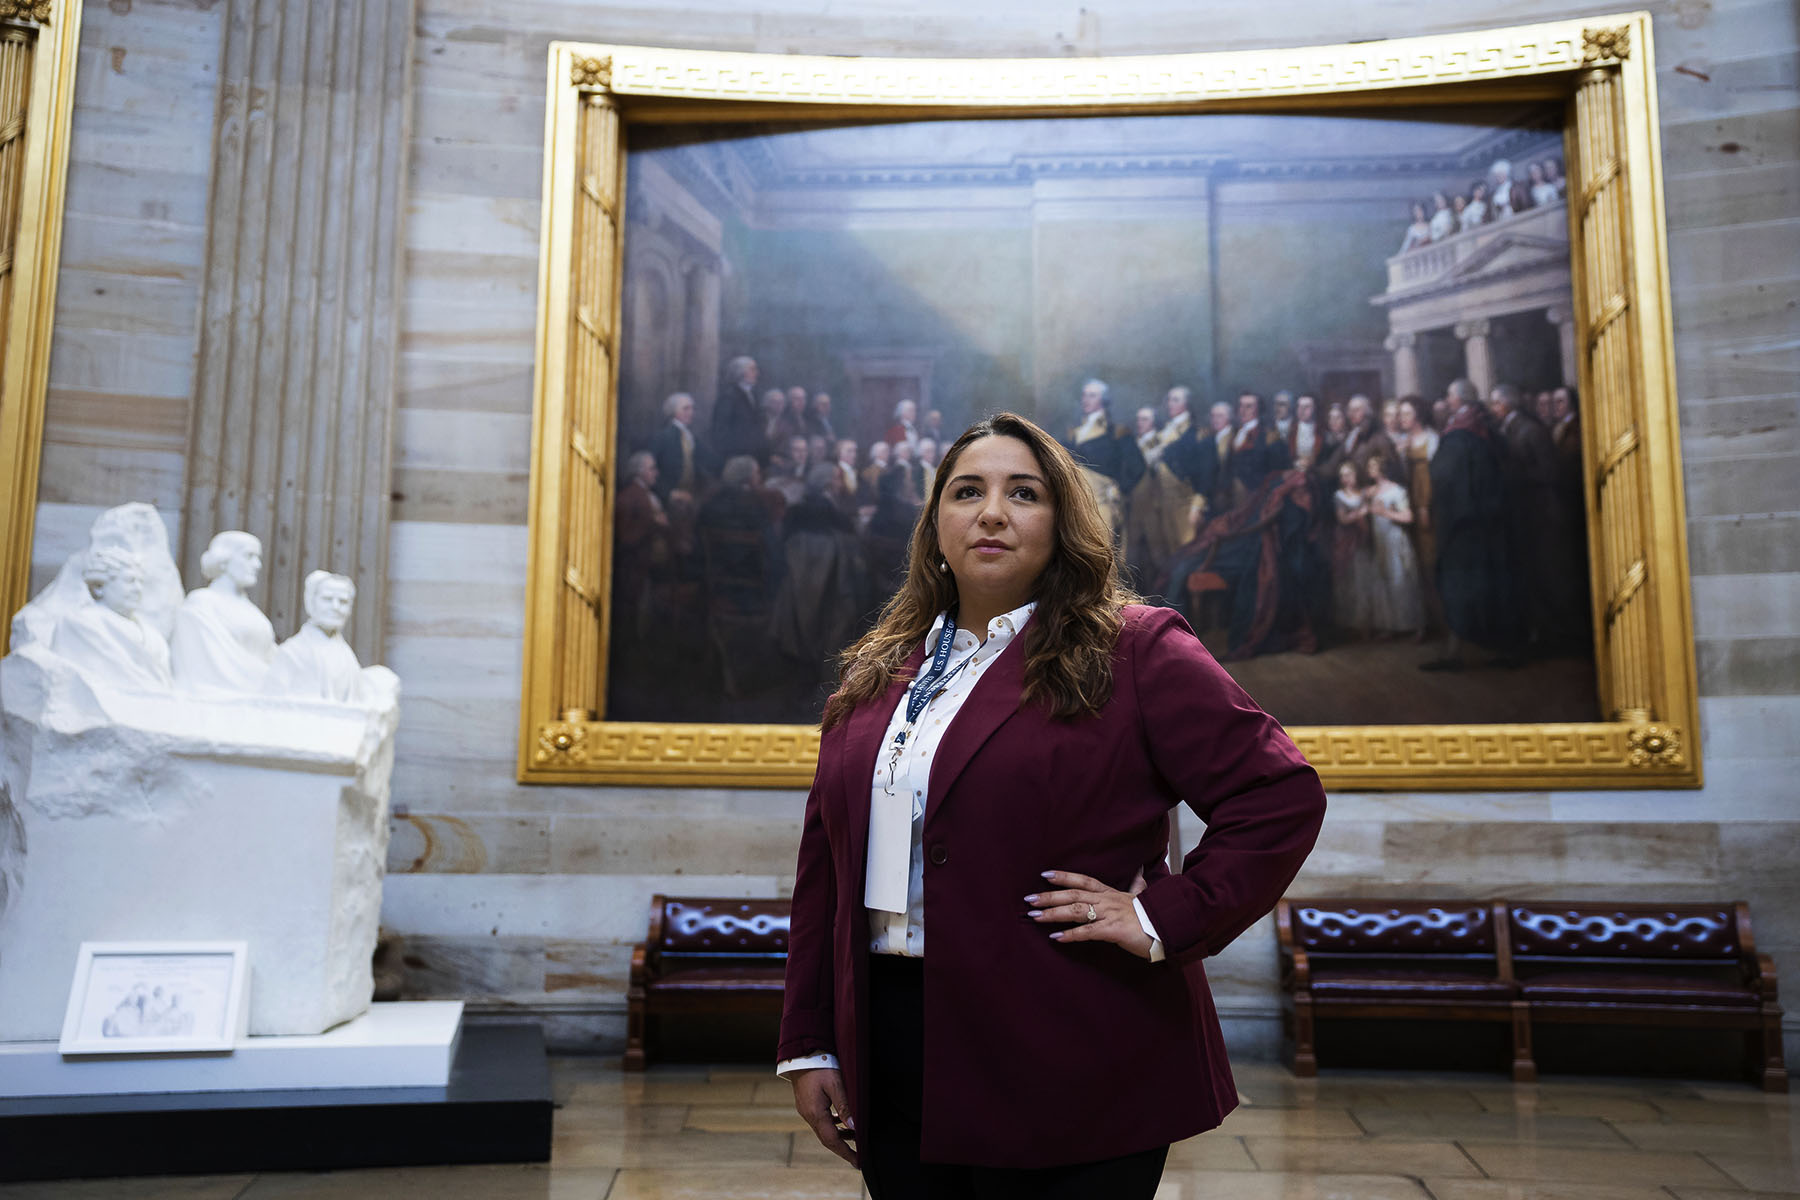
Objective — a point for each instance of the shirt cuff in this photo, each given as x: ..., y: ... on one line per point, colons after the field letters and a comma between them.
x: 813, y: 1062
x: 1156, y: 946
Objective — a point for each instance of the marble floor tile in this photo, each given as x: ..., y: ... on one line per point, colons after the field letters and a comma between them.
x: 800, y: 1183
x: 489, y: 1182
x: 688, y: 1148
x: 1750, y: 1136
x: 621, y: 1118
x: 1275, y: 1185
x: 1211, y: 1152
x: 1504, y: 1189
x: 1290, y: 1122
x: 1568, y: 1164
x: 1549, y: 1102
x: 1760, y: 1172
x: 1373, y: 1157
x: 808, y: 1152
x: 1385, y: 1121
x: 745, y: 1118
x: 1760, y: 1107
x: 171, y: 1187
x: 778, y: 1092
x: 658, y: 1090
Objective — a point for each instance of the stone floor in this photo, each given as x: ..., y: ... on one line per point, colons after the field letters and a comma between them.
x: 730, y: 1132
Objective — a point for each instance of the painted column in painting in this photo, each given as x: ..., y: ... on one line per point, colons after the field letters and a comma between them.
x: 1563, y: 318
x: 1405, y: 349
x: 1478, y: 357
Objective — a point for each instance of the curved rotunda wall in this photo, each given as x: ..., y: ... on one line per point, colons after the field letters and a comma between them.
x: 531, y: 896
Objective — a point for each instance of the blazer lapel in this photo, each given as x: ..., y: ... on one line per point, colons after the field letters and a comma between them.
x: 862, y: 742
x: 993, y: 700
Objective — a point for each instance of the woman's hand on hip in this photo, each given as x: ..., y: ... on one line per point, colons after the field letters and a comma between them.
x: 1114, y: 917
x: 821, y: 1101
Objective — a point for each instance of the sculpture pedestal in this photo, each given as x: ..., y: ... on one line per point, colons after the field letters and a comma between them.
x: 128, y: 817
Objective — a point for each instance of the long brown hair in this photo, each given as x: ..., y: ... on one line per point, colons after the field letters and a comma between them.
x: 1070, y: 640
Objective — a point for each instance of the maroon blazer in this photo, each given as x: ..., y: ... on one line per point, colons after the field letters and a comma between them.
x: 1128, y: 1051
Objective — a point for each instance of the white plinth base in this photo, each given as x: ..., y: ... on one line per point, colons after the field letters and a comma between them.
x: 409, y: 1044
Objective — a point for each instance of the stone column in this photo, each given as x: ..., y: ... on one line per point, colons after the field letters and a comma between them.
x: 294, y: 400
x: 1478, y: 358
x: 1564, y: 320
x: 1405, y: 349
x: 700, y: 357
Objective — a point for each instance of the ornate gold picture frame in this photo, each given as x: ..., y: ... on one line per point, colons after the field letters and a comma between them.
x: 1599, y: 69
x: 38, y: 44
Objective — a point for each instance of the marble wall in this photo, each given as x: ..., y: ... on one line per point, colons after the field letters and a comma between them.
x: 528, y: 898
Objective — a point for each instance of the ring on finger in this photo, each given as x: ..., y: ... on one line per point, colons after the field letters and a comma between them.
x: 1092, y: 915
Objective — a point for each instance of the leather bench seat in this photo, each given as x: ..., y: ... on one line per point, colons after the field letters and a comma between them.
x: 719, y: 979
x: 1618, y: 987
x: 1345, y: 983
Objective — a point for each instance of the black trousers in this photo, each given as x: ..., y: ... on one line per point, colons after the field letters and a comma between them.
x: 890, y: 1158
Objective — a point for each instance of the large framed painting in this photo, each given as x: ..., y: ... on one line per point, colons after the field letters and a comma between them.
x: 1365, y: 351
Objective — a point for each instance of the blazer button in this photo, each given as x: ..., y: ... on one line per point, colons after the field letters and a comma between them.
x: 939, y: 855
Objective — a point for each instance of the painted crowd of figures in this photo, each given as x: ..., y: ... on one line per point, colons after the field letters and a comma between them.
x: 761, y: 542
x: 1296, y: 530
x: 1495, y: 198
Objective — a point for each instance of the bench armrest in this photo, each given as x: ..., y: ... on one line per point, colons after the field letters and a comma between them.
x: 1763, y: 976
x: 640, y: 966
x: 1299, y: 973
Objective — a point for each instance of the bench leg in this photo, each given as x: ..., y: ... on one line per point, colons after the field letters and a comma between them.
x: 1772, y: 1060
x: 1524, y: 1066
x: 636, y: 1053
x: 1306, y: 1061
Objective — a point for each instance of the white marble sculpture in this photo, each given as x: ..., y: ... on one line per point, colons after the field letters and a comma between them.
x: 107, y: 639
x: 317, y: 663
x: 135, y: 528
x: 133, y: 812
x: 222, y: 641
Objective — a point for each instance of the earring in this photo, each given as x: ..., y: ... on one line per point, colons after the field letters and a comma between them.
x: 943, y: 566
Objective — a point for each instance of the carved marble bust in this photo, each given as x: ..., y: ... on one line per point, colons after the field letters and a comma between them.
x: 136, y: 528
x: 222, y: 641
x: 316, y: 663
x: 108, y: 639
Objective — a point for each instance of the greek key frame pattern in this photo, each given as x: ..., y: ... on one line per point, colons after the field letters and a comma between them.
x: 1525, y: 50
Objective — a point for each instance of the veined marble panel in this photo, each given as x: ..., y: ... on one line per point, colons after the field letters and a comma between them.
x: 86, y: 470
x: 1748, y: 727
x: 672, y: 842
x: 1752, y: 665
x: 471, y: 330
x: 467, y: 384
x: 478, y: 610
x: 1494, y: 857
x: 468, y: 845
x: 1438, y: 806
x: 470, y: 276
x: 435, y: 439
x: 442, y: 220
x: 1752, y: 485
x: 469, y: 666
x: 1737, y: 790
x: 1701, y: 86
x: 1754, y: 139
x: 442, y: 552
x: 1753, y: 606
x: 479, y: 116
x: 1730, y: 544
x: 1746, y: 193
x: 582, y: 907
x: 504, y: 172
x: 1743, y: 427
x: 1733, y: 255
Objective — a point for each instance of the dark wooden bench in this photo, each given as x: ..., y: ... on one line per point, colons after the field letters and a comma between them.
x: 704, y: 956
x: 1387, y: 959
x: 1681, y: 965
x: 1686, y: 965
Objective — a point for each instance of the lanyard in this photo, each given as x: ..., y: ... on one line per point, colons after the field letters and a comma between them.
x: 926, y: 688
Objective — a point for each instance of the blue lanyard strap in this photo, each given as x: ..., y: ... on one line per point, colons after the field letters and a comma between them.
x: 926, y: 688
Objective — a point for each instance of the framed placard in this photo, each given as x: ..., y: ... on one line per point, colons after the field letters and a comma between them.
x: 157, y: 998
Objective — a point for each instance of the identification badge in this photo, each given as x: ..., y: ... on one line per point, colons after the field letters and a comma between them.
x: 890, y: 851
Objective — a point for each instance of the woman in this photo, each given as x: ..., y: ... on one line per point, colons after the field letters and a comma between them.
x: 1351, y: 570
x: 1419, y: 445
x: 1443, y: 217
x: 1396, y: 602
x: 1542, y: 190
x: 1419, y: 232
x: 995, y: 771
x: 1475, y: 212
x: 222, y: 641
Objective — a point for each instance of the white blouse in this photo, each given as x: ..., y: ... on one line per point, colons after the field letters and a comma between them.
x: 894, y: 877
